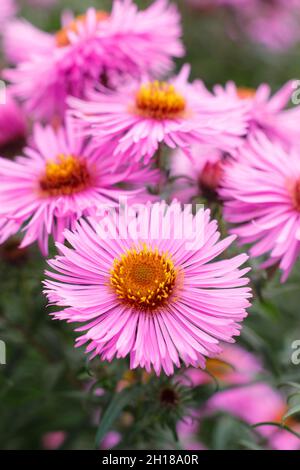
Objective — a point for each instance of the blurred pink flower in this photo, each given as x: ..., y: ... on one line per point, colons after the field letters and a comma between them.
x: 21, y: 39
x: 111, y: 440
x: 141, y: 116
x: 234, y: 366
x: 274, y: 23
x: 258, y: 403
x: 252, y: 403
x: 154, y: 297
x: 12, y: 124
x: 199, y: 175
x: 261, y: 193
x: 266, y: 112
x: 284, y: 440
x: 53, y: 440
x: 187, y: 430
x: 8, y: 9
x: 60, y: 178
x: 91, y: 47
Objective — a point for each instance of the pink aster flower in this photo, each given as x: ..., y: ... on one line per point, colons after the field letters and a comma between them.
x: 21, y: 39
x: 91, y: 47
x: 266, y: 112
x: 149, y: 293
x: 274, y: 24
x: 262, y: 197
x: 259, y: 403
x: 199, y: 176
x: 59, y: 179
x: 141, y: 116
x: 234, y: 366
x: 12, y: 125
x: 7, y: 10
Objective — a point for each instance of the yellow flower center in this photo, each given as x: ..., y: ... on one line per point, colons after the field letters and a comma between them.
x: 67, y: 176
x: 159, y: 100
x: 245, y: 93
x: 144, y: 278
x: 62, y: 36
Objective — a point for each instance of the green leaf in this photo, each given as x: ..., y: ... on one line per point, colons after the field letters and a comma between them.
x: 292, y: 411
x: 268, y: 308
x: 249, y: 445
x: 289, y: 384
x: 118, y: 403
x: 292, y: 396
x: 277, y: 425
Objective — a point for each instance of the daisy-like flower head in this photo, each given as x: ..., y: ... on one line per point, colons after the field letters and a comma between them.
x: 141, y: 116
x: 96, y: 46
x: 150, y: 293
x: 12, y: 125
x: 262, y: 197
x: 7, y: 10
x: 59, y: 179
x: 199, y: 176
x: 266, y: 112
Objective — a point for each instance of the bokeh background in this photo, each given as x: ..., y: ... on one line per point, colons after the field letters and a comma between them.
x: 49, y: 387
